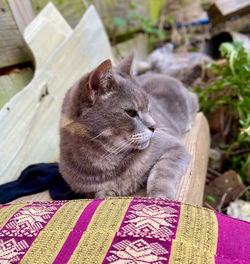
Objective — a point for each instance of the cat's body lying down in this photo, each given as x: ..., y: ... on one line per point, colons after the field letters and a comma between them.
x: 120, y: 132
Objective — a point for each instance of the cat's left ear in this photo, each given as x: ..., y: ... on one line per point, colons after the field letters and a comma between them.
x: 100, y: 80
x: 125, y: 65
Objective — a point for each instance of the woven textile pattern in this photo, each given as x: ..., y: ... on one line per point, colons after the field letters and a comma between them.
x: 120, y: 230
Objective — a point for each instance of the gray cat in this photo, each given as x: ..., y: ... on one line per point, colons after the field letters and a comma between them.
x: 119, y: 133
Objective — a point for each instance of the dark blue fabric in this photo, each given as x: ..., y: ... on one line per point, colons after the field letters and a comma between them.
x: 37, y: 178
x: 61, y: 191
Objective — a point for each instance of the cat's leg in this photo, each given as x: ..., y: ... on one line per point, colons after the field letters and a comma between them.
x: 166, y: 172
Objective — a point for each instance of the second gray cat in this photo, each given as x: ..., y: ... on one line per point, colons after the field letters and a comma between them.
x: 119, y: 133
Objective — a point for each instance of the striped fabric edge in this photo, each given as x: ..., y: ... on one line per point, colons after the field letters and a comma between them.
x: 196, y: 237
x: 50, y: 241
x: 23, y: 227
x: 75, y: 235
x: 146, y: 232
x: 101, y: 230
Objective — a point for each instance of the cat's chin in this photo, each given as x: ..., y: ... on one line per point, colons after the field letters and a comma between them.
x: 143, y: 146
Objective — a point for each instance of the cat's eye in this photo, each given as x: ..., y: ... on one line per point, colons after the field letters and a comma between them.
x: 131, y: 113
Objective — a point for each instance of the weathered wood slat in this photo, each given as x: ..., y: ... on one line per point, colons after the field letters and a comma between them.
x: 29, y: 122
x: 22, y: 12
x: 222, y: 10
x: 12, y: 46
x: 190, y: 187
x: 45, y: 33
x: 42, y: 196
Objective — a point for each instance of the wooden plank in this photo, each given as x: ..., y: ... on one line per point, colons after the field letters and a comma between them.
x: 22, y: 12
x: 13, y: 49
x: 190, y: 188
x: 13, y: 83
x: 41, y: 197
x: 29, y: 122
x: 221, y: 10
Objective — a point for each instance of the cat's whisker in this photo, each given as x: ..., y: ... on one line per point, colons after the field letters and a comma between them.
x: 93, y: 138
x: 139, y: 136
x: 111, y: 150
x: 114, y: 153
x: 118, y: 146
x: 126, y: 145
x: 116, y: 150
x: 161, y: 128
x: 124, y: 148
x: 157, y: 131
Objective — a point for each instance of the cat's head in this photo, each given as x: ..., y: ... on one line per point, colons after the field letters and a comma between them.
x: 113, y: 108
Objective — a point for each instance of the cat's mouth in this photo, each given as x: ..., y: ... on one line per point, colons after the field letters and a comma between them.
x: 141, y: 141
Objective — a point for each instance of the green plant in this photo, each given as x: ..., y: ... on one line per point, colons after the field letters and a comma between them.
x: 148, y: 25
x: 229, y: 87
x: 143, y: 23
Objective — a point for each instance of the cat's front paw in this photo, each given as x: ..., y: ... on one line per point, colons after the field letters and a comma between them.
x: 162, y: 194
x: 104, y: 194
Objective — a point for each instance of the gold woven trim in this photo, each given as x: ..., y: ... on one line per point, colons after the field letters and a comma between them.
x: 196, y: 237
x: 49, y: 242
x: 73, y: 127
x: 95, y: 242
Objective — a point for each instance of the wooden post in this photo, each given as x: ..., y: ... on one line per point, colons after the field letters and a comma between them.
x: 13, y: 49
x: 22, y: 12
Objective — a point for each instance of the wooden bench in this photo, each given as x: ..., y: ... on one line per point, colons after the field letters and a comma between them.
x: 29, y: 121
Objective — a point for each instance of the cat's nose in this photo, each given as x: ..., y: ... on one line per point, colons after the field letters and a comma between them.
x: 152, y: 127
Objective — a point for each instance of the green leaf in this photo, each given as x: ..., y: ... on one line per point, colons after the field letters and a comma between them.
x: 210, y: 198
x: 120, y: 22
x: 133, y: 6
x: 153, y: 40
x: 169, y: 20
x: 130, y: 16
x: 161, y: 34
x: 247, y: 67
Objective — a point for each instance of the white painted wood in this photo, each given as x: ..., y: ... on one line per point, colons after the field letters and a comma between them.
x: 29, y: 121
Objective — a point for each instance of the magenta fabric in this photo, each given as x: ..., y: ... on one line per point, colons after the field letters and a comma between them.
x: 233, y: 240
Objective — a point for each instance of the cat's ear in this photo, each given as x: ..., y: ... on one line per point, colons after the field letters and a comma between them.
x: 100, y: 80
x: 125, y: 65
